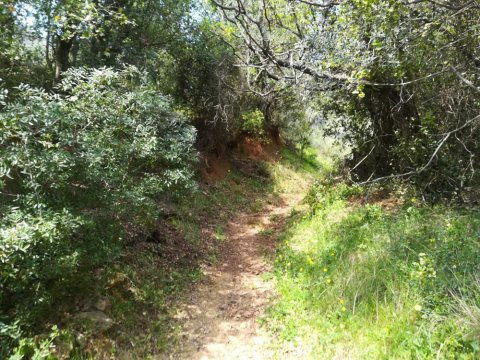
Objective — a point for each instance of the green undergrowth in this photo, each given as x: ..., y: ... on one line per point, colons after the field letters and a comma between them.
x: 145, y: 281
x: 360, y: 282
x: 202, y: 219
x: 151, y: 281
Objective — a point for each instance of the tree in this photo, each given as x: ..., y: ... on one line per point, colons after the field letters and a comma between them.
x: 381, y: 63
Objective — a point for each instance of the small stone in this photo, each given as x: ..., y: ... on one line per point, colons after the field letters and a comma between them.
x: 81, y: 340
x: 102, y: 304
x: 97, y: 319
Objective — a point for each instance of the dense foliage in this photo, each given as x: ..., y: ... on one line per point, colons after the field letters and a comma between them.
x: 106, y: 105
x: 414, y: 65
x: 80, y: 172
x: 398, y: 80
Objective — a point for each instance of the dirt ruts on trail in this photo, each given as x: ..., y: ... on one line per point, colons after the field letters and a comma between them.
x: 219, y: 317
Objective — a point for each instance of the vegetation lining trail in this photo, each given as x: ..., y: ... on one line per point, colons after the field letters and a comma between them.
x: 119, y: 118
x: 387, y: 279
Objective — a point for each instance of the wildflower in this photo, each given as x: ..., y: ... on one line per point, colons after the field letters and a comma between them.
x: 309, y: 260
x: 325, y: 269
x: 344, y: 308
x: 418, y: 308
x: 342, y: 326
x: 328, y: 281
x: 342, y: 301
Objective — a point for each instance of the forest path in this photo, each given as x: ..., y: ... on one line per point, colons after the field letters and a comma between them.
x: 219, y: 317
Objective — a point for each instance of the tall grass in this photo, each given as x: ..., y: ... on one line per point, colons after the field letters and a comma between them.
x: 358, y: 282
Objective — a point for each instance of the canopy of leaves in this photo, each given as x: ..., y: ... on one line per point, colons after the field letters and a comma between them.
x: 397, y: 79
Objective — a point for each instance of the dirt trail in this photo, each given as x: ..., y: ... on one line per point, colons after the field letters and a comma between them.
x: 220, y: 316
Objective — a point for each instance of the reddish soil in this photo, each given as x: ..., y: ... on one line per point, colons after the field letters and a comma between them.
x: 215, y: 167
x: 263, y: 150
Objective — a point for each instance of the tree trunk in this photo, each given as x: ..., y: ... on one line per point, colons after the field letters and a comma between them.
x: 61, y: 57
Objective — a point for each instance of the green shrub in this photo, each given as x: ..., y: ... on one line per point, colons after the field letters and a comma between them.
x: 79, y: 172
x: 325, y: 192
x: 253, y: 123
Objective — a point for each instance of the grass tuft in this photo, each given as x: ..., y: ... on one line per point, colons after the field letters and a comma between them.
x: 360, y: 282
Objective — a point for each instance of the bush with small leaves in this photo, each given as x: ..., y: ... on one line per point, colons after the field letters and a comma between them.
x: 253, y: 123
x: 80, y: 171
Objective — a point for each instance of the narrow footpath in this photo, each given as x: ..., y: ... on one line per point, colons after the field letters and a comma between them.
x: 219, y: 319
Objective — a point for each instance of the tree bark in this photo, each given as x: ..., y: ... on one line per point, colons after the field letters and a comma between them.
x: 62, y: 56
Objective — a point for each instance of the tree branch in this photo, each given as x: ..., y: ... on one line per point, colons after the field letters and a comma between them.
x: 430, y: 161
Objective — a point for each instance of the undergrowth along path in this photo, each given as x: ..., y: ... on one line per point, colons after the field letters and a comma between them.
x: 220, y: 316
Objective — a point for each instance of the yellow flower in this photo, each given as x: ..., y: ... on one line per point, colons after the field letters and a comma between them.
x: 325, y: 269
x: 328, y: 281
x: 309, y: 260
x: 342, y: 301
x: 332, y: 254
x: 418, y: 307
x: 344, y: 308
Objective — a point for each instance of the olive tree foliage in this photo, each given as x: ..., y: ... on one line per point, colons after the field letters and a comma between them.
x: 175, y: 42
x: 208, y: 87
x: 65, y: 24
x: 416, y: 115
x: 81, y: 172
x: 399, y: 78
x: 20, y: 61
